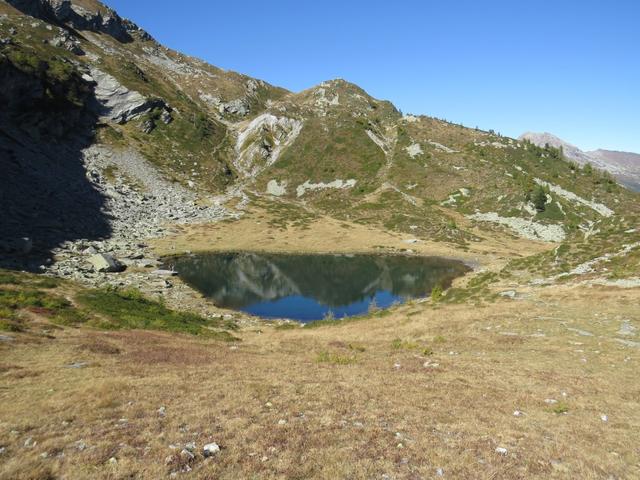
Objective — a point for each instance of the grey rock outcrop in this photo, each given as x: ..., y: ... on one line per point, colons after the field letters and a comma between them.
x: 116, y: 102
x: 65, y: 13
x: 148, y: 126
x: 68, y: 42
x: 239, y: 106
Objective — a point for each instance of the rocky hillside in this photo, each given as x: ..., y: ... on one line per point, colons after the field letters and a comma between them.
x: 624, y: 166
x: 116, y: 136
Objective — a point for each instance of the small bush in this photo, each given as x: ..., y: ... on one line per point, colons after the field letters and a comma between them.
x: 539, y: 198
x: 335, y: 359
x: 560, y: 408
x: 436, y: 293
x: 356, y: 347
x: 399, y: 344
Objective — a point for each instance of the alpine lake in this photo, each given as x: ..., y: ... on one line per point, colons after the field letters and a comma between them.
x: 310, y: 287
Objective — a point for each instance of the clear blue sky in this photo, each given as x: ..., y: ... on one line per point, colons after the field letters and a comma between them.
x: 570, y: 67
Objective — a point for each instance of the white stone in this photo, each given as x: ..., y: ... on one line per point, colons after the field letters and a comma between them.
x: 378, y: 141
x: 164, y: 273
x: 442, y: 148
x: 414, y: 150
x: 277, y: 189
x: 501, y: 450
x: 210, y: 449
x: 337, y: 184
x: 103, y: 262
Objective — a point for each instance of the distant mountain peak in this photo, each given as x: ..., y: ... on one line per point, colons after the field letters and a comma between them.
x: 625, y: 166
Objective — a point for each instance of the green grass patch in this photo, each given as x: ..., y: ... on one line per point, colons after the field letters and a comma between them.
x: 46, y: 282
x: 560, y: 408
x: 34, y: 281
x: 9, y: 278
x: 26, y: 298
x: 287, y: 326
x: 129, y: 309
x: 399, y: 344
x: 57, y: 309
x: 356, y: 347
x: 335, y: 358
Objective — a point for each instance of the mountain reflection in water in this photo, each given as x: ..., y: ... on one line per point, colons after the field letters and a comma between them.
x: 308, y: 287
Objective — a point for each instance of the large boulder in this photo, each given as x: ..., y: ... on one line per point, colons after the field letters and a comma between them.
x: 103, y: 262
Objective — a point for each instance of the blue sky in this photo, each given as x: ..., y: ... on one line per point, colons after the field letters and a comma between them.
x: 570, y: 67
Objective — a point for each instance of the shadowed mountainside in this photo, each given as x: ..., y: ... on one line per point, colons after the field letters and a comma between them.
x: 45, y: 192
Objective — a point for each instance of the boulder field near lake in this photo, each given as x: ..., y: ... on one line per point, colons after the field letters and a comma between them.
x: 118, y: 154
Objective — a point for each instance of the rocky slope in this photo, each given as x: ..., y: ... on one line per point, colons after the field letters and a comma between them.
x: 111, y: 137
x: 624, y: 166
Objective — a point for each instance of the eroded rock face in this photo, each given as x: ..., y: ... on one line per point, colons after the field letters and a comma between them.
x: 68, y: 42
x: 64, y: 12
x: 262, y: 141
x: 116, y: 102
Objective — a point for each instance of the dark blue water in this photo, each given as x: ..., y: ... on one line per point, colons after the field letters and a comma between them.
x: 312, y: 287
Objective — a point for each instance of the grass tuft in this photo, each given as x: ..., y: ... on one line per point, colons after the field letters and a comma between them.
x: 335, y: 358
x: 560, y: 408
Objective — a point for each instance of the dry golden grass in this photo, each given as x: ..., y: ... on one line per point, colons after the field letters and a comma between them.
x: 428, y: 388
x: 255, y: 232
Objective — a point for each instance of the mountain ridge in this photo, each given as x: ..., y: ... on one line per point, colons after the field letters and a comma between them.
x: 230, y: 142
x: 625, y: 166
